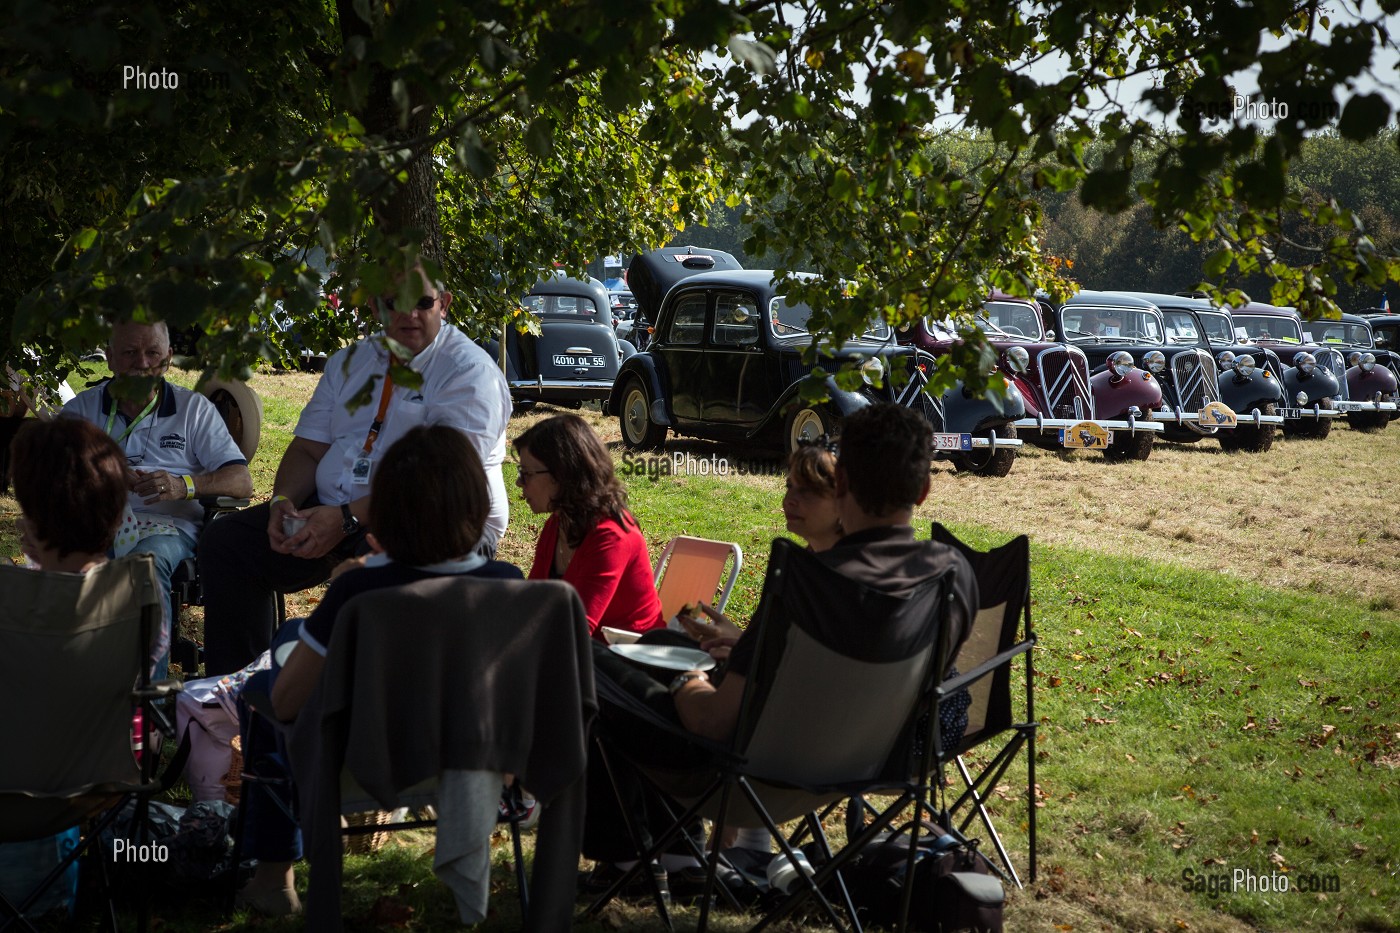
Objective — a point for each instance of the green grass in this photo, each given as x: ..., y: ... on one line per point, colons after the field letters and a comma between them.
x: 1189, y: 719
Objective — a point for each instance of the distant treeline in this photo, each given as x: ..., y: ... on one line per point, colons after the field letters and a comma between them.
x: 1126, y: 251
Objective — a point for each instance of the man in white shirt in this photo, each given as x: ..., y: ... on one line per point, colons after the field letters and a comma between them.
x: 321, y: 494
x: 177, y: 449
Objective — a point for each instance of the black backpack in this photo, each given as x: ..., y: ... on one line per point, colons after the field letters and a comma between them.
x: 954, y: 888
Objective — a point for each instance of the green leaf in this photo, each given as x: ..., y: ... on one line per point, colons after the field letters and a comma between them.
x: 539, y: 138
x: 1364, y: 116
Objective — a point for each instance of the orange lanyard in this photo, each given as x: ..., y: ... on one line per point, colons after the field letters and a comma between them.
x: 379, y: 417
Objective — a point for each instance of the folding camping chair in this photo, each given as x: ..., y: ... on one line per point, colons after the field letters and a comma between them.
x: 985, y: 665
x: 451, y: 673
x: 800, y: 745
x: 692, y: 570
x: 70, y: 752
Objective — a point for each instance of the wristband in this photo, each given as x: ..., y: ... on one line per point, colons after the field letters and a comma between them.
x: 189, y: 487
x: 277, y: 499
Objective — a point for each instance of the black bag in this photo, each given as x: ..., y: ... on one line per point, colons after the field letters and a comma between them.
x: 953, y: 885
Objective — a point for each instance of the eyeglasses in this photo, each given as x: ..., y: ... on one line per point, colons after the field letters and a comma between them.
x: 424, y: 303
x: 522, y: 475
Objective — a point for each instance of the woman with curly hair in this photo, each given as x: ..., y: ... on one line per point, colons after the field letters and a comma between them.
x: 590, y: 539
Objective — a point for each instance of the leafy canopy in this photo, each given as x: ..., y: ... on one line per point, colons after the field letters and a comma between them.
x: 494, y: 138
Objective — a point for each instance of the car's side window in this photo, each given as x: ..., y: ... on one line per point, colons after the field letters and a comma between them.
x: 736, y: 321
x: 688, y: 321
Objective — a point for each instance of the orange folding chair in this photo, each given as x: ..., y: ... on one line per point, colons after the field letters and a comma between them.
x: 692, y: 570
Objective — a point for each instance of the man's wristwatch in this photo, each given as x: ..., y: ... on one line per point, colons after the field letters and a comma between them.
x: 684, y: 678
x: 349, y: 523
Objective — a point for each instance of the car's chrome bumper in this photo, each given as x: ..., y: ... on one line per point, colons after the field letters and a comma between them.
x: 562, y: 389
x: 1363, y: 406
x: 1316, y: 411
x: 1045, y: 425
x: 953, y: 443
x: 1254, y: 418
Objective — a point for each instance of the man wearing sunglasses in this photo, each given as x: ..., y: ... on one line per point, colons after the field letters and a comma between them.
x: 320, y: 499
x: 177, y: 449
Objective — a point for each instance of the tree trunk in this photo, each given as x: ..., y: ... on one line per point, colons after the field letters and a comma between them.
x: 411, y: 206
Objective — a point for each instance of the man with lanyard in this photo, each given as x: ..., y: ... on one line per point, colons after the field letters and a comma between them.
x: 177, y: 449
x: 321, y: 494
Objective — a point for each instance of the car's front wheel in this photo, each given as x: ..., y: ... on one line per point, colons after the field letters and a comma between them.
x: 1312, y: 428
x: 807, y: 423
x: 638, y: 431
x: 1368, y: 421
x: 1126, y: 446
x: 989, y: 462
x: 1248, y: 438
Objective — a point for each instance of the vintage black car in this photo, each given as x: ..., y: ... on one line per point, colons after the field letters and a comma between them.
x: 575, y: 356
x: 726, y: 363
x: 1114, y: 332
x: 1249, y: 383
x: 1371, y: 379
x: 1314, y: 376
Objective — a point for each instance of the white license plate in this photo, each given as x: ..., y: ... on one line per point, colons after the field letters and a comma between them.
x: 952, y: 442
x: 590, y: 361
x: 1290, y: 412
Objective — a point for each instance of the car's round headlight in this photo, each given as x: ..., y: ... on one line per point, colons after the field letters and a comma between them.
x: 1354, y: 358
x: 1121, y: 363
x: 1019, y: 359
x: 1225, y: 360
x: 1301, y: 398
x: 1368, y: 362
x: 1155, y: 360
x: 1244, y: 364
x: 1306, y: 363
x: 872, y: 370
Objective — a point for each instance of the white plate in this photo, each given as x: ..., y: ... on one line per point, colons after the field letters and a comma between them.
x: 669, y: 657
x: 620, y: 636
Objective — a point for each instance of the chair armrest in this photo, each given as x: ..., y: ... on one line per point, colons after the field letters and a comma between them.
x: 223, y: 503
x: 159, y: 689
x: 954, y: 684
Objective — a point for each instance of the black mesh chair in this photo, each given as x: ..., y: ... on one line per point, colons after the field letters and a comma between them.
x: 1001, y: 637
x: 802, y: 742
x: 70, y: 755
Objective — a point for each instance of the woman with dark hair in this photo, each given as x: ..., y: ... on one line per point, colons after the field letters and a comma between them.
x: 809, y: 502
x: 70, y: 481
x: 428, y: 506
x: 590, y: 539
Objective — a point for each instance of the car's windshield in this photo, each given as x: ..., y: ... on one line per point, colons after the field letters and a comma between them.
x: 790, y: 320
x: 1181, y: 326
x: 576, y: 305
x: 1268, y: 328
x: 1011, y: 317
x: 1111, y: 325
x: 1219, y: 330
x: 1339, y: 333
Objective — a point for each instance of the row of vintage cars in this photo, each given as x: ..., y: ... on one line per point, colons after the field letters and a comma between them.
x: 1114, y: 372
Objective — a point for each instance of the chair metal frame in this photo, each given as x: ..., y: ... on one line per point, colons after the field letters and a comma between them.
x: 736, y: 769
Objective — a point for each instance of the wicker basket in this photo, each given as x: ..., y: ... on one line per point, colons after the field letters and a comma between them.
x: 233, y: 779
x: 365, y: 843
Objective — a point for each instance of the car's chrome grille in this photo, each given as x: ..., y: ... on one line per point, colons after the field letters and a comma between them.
x: 1334, y: 363
x: 1269, y: 366
x: 1194, y: 373
x: 1064, y: 383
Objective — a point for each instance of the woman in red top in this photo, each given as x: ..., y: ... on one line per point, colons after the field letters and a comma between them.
x: 590, y: 540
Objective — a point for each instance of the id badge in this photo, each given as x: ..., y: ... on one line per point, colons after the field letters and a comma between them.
x: 359, y: 471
